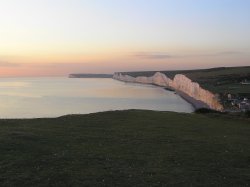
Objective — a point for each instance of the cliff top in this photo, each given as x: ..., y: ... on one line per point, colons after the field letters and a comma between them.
x: 216, y: 80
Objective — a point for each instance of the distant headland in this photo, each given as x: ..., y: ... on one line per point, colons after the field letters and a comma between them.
x: 80, y: 75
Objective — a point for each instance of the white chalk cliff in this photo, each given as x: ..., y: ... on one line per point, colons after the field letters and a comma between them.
x: 179, y: 83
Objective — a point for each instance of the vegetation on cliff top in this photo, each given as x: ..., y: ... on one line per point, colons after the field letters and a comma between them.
x: 217, y: 80
x: 126, y: 148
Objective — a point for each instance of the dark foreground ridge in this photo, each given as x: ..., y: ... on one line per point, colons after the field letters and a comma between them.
x: 126, y: 148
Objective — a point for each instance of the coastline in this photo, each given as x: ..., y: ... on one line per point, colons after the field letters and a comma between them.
x: 197, y: 104
x: 187, y: 89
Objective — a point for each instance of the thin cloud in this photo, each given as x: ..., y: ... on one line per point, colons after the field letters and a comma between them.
x: 153, y: 55
x: 8, y: 64
x: 228, y: 53
x: 160, y: 55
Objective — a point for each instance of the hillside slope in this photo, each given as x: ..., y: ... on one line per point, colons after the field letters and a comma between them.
x: 126, y: 148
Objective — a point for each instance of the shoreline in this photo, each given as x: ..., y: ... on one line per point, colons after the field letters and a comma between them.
x: 189, y: 90
x: 197, y: 104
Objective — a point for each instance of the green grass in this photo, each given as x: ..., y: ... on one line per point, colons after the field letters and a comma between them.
x: 233, y: 88
x: 126, y: 148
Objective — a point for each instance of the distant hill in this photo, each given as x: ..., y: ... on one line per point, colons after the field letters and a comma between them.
x: 90, y: 76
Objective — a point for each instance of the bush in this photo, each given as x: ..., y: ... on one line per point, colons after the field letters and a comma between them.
x: 247, y: 113
x: 205, y: 111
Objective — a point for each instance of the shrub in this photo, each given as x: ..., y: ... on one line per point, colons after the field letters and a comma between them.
x: 247, y: 113
x: 205, y: 111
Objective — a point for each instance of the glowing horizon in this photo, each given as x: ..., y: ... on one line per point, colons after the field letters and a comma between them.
x: 43, y: 38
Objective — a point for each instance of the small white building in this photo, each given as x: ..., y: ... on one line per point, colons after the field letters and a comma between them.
x: 245, y: 82
x: 244, y: 105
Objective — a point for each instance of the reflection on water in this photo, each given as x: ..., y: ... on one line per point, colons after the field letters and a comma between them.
x: 51, y: 97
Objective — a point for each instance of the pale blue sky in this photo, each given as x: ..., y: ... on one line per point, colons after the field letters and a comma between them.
x: 98, y: 31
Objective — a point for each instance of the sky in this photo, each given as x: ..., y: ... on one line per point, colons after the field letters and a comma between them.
x: 58, y: 37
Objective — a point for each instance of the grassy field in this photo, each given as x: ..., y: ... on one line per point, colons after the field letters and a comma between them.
x: 126, y: 148
x: 217, y: 80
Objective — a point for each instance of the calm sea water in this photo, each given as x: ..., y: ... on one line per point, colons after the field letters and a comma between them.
x: 52, y: 97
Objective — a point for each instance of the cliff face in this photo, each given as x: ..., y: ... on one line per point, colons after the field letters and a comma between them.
x: 179, y: 83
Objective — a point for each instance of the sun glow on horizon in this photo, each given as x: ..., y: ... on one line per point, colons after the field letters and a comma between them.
x: 109, y: 35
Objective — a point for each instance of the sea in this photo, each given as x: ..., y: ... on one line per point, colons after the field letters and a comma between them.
x: 57, y: 96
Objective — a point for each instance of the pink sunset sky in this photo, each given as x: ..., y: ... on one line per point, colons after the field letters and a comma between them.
x: 45, y: 38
